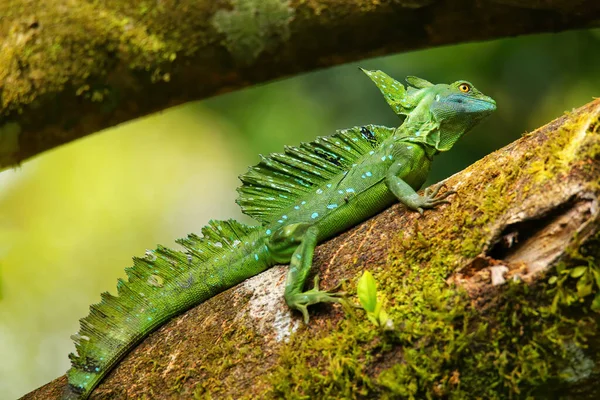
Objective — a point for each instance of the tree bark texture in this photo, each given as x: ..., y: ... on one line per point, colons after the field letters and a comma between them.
x: 69, y: 68
x: 494, y: 296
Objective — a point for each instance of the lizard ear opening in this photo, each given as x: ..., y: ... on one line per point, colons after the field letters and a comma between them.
x: 392, y: 90
x: 419, y: 83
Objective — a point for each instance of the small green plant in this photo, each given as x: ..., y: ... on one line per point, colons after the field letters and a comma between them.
x: 587, y: 277
x: 367, y: 295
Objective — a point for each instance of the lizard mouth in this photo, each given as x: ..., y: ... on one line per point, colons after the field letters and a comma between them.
x: 482, y: 105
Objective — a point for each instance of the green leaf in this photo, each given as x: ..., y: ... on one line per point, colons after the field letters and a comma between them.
x: 584, y: 287
x: 372, y: 318
x: 596, y: 277
x: 383, y: 317
x: 552, y: 280
x: 578, y: 271
x: 367, y: 292
x: 596, y: 303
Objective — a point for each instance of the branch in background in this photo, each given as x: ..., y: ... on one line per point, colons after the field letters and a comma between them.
x: 69, y: 71
x: 496, y: 294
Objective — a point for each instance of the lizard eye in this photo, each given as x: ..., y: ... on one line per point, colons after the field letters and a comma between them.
x: 464, y: 87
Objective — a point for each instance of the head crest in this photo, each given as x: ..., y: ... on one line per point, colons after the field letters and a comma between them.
x: 393, y: 91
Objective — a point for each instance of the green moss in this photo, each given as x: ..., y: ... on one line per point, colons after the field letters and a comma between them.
x: 50, y: 47
x: 441, y: 347
x: 253, y: 26
x: 328, y: 366
x: 556, y: 155
x: 235, y: 346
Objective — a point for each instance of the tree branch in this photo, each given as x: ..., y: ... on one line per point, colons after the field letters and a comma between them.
x: 527, y: 214
x: 71, y: 69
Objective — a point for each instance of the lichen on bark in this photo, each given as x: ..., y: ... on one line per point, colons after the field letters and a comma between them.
x: 252, y: 26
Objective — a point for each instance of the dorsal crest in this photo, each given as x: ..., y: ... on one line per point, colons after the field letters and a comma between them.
x: 282, y: 180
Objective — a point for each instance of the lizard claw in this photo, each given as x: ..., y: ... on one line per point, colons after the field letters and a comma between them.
x: 301, y: 301
x: 433, y: 191
x: 431, y: 198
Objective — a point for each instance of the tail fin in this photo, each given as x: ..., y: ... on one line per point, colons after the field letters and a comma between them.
x: 161, y: 285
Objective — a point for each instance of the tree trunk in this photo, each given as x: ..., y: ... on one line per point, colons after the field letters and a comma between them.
x: 69, y: 69
x: 492, y: 296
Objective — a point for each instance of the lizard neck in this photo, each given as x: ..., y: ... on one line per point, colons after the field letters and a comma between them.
x: 408, y: 133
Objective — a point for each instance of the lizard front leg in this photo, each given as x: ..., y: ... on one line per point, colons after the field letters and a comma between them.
x: 297, y: 243
x: 407, y: 195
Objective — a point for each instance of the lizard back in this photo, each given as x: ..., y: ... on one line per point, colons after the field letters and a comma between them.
x: 281, y: 182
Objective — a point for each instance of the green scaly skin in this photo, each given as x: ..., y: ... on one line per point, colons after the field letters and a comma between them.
x: 301, y: 197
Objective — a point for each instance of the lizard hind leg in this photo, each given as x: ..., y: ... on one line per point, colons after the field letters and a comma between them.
x: 300, y: 240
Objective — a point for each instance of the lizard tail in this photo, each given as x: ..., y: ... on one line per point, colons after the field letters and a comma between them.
x: 161, y: 285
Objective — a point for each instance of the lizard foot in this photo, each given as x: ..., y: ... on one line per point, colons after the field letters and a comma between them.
x: 430, y: 198
x: 301, y: 301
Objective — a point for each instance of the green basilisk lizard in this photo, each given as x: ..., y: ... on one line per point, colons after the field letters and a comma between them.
x: 301, y: 197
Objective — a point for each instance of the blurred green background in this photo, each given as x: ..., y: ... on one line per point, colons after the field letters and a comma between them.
x: 71, y: 219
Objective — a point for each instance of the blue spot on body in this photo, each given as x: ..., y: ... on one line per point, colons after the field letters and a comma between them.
x: 332, y: 206
x: 329, y: 185
x: 368, y: 173
x: 390, y: 157
x: 280, y: 221
x: 340, y: 191
x: 314, y: 215
x: 268, y: 232
x: 303, y: 203
x: 149, y: 318
x: 297, y: 207
x: 319, y: 191
x: 409, y: 147
x: 350, y: 190
x: 284, y: 217
x: 256, y: 257
x: 383, y: 158
x: 371, y: 152
x: 363, y: 176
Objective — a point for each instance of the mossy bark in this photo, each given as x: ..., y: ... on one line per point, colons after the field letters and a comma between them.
x: 69, y: 69
x: 528, y: 214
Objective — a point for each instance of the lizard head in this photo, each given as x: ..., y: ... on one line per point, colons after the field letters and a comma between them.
x: 456, y: 108
x: 436, y: 115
